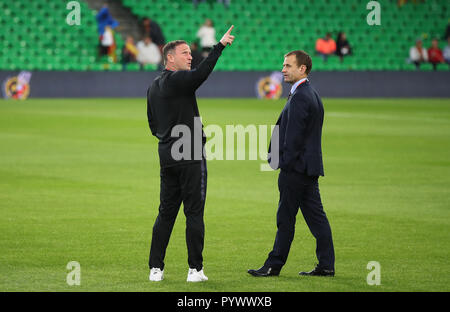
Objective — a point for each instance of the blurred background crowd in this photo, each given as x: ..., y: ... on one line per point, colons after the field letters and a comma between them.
x: 129, y: 34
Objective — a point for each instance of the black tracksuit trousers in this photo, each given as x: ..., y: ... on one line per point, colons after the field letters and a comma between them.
x: 185, y: 184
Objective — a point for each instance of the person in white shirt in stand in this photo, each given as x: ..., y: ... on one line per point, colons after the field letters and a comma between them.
x: 107, y: 41
x: 207, y: 35
x: 418, y: 54
x: 148, y: 52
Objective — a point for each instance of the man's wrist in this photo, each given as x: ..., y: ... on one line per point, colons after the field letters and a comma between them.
x: 220, y: 46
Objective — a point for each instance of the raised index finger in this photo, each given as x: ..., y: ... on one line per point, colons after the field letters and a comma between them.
x: 229, y: 30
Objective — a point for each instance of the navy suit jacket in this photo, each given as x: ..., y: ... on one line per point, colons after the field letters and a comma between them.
x: 300, y: 133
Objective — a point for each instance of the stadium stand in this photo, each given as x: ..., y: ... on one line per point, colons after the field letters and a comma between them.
x: 34, y: 34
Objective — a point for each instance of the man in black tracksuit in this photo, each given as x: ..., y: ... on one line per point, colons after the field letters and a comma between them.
x: 173, y: 118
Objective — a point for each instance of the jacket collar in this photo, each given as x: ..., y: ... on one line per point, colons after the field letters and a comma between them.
x: 295, y: 85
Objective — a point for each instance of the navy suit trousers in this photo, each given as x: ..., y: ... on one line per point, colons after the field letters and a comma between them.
x: 300, y: 191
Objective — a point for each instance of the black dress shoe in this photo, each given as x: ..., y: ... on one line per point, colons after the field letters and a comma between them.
x: 318, y: 272
x: 264, y: 272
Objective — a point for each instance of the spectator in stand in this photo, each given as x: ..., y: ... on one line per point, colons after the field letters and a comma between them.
x: 150, y: 28
x: 108, y: 44
x: 342, y: 46
x: 129, y: 52
x: 418, y: 54
x: 207, y: 35
x: 148, y: 52
x: 325, y: 46
x: 105, y: 19
x: 197, y: 56
x: 435, y: 54
x: 447, y: 52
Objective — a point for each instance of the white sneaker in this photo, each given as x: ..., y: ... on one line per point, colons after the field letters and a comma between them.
x: 156, y: 275
x: 196, y: 276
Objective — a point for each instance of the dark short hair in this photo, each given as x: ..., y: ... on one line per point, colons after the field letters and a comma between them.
x: 169, y: 47
x: 302, y: 58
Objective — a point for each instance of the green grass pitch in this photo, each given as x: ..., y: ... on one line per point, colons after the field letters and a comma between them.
x: 79, y: 181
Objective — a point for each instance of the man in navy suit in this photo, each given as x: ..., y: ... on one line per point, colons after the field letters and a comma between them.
x: 299, y: 157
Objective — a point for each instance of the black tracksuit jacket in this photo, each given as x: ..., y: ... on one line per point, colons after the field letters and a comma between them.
x: 171, y: 101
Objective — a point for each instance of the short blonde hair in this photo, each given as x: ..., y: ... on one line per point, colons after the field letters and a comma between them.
x: 169, y: 47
